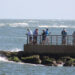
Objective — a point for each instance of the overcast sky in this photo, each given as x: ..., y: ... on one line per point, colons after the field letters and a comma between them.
x: 37, y: 9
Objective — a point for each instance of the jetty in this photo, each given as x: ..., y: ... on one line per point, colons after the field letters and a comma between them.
x: 53, y: 52
x: 54, y: 46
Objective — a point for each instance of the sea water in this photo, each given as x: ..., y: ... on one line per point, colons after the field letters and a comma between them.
x: 13, y: 37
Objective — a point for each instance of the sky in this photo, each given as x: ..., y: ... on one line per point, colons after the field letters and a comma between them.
x: 37, y: 9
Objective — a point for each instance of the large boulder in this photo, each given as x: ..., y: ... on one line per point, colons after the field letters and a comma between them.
x: 16, y: 59
x: 46, y: 60
x: 32, y: 59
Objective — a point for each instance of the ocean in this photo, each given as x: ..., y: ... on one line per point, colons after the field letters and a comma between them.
x: 13, y: 37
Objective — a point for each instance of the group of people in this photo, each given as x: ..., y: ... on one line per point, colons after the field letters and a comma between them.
x: 32, y: 36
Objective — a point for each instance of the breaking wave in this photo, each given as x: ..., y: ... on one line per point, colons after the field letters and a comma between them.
x: 14, y: 50
x: 14, y: 24
x: 2, y: 24
x: 55, y: 26
x: 18, y: 25
x: 31, y: 26
x: 3, y: 59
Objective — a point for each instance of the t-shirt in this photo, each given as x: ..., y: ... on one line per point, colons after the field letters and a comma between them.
x: 43, y: 36
x: 64, y: 33
x: 30, y: 33
x: 47, y: 33
x: 35, y: 33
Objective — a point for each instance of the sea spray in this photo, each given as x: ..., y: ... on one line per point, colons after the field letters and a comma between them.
x: 4, y: 59
x: 15, y: 50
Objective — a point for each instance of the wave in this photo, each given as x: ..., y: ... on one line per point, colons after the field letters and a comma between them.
x: 24, y: 24
x: 3, y: 59
x: 14, y: 50
x: 2, y: 24
x: 14, y: 24
x: 18, y: 25
x: 56, y: 26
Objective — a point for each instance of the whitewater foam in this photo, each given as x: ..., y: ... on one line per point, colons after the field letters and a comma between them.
x: 3, y: 59
x: 18, y: 25
x: 40, y: 26
x: 2, y: 24
x: 15, y: 50
x: 55, y: 26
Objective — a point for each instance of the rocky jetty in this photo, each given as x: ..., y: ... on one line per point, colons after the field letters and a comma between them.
x: 44, y: 59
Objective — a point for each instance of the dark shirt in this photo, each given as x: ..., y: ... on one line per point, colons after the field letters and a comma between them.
x: 64, y: 33
x: 35, y: 33
x: 43, y: 35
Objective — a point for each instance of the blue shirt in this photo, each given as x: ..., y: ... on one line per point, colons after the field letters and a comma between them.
x: 47, y: 33
x: 64, y: 33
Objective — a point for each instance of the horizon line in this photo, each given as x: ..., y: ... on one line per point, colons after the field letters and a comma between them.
x: 32, y: 19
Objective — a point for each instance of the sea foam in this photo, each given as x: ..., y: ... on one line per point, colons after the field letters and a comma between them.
x: 55, y: 26
x: 14, y: 50
x: 3, y: 59
x: 18, y: 25
x: 2, y: 24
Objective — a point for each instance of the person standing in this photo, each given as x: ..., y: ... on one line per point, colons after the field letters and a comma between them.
x: 43, y: 37
x: 35, y: 35
x: 47, y: 36
x: 64, y: 35
x: 29, y: 34
x: 73, y: 35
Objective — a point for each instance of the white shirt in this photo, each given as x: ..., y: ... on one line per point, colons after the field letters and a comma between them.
x: 30, y: 33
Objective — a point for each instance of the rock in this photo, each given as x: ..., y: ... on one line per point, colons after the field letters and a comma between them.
x: 69, y: 62
x: 46, y: 60
x: 54, y: 63
x: 38, y: 59
x: 73, y: 64
x: 32, y: 59
x: 60, y: 62
x: 16, y: 59
x: 65, y: 58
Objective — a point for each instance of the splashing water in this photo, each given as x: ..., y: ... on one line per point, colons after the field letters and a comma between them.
x: 4, y: 59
